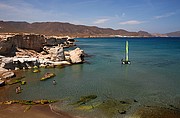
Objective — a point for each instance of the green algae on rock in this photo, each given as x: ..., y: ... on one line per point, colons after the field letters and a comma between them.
x: 36, y: 71
x: 47, y: 76
x: 113, y: 107
x: 15, y: 82
x: 23, y: 82
x: 85, y: 99
x: 88, y: 107
x: 29, y: 102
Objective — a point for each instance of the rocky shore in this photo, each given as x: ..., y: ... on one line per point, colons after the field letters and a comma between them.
x: 24, y: 51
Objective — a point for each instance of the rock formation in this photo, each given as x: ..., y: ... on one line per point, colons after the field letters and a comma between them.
x: 21, y: 63
x: 8, y: 74
x: 7, y: 63
x: 31, y: 42
x: 76, y: 56
x: 7, y: 47
x: 29, y: 50
x: 56, y: 53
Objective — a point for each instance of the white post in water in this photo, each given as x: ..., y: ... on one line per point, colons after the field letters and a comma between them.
x: 127, y: 49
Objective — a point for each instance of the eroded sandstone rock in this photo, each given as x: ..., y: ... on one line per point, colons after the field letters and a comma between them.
x: 8, y: 74
x: 76, y: 56
x: 7, y: 47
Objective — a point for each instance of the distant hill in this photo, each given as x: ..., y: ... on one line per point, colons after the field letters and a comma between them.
x: 63, y: 29
x: 173, y: 34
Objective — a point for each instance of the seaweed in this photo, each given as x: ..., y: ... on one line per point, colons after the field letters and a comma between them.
x: 29, y: 102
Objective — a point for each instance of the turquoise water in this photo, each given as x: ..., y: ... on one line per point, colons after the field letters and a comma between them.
x: 152, y: 78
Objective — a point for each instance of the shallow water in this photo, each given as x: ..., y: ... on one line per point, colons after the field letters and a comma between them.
x: 153, y: 78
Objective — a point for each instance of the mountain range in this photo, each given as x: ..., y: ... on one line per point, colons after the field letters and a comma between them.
x: 67, y: 29
x: 174, y: 34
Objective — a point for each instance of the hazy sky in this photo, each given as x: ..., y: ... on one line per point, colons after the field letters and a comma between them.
x: 133, y: 15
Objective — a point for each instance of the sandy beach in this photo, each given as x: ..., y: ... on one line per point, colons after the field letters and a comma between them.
x: 44, y: 111
x: 37, y: 111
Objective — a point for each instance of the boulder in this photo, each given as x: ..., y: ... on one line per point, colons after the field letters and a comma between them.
x: 76, y: 55
x: 56, y: 53
x: 2, y: 83
x: 2, y: 70
x: 59, y: 53
x: 7, y: 47
x: 7, y: 63
x: 8, y: 74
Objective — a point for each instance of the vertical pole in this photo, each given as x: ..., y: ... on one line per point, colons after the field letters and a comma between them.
x: 127, y: 51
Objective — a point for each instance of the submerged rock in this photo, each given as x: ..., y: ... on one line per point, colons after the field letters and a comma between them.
x: 85, y: 99
x: 47, y: 76
x: 155, y: 112
x: 29, y: 102
x: 23, y: 82
x: 113, y: 107
x: 36, y: 71
x: 88, y: 107
x: 15, y: 81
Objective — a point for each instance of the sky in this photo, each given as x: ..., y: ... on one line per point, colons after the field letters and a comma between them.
x: 154, y: 16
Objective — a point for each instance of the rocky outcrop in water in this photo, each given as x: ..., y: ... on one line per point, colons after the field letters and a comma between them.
x: 29, y: 50
x: 76, y: 56
x: 56, y: 53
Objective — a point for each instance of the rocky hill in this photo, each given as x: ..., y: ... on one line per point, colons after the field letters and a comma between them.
x: 173, y: 34
x: 63, y: 29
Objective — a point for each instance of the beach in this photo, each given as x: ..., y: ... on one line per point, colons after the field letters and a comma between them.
x: 17, y: 111
x: 44, y: 111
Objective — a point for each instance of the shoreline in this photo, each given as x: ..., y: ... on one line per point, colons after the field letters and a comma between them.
x: 45, y: 111
x: 36, y: 111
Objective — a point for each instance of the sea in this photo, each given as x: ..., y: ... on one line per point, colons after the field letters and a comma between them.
x: 152, y: 78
